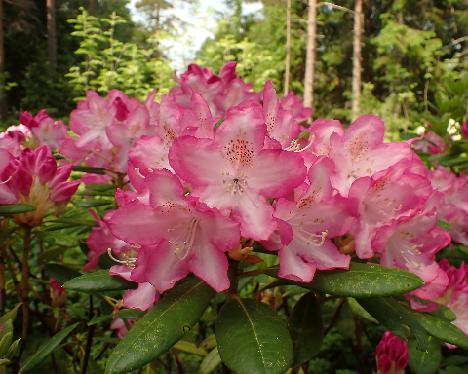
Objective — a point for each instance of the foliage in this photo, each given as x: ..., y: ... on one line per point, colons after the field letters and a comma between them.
x: 108, y: 63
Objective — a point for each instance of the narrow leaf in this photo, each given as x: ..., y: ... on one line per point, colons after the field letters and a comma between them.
x: 46, y: 349
x: 306, y: 327
x: 98, y: 281
x: 210, y: 362
x: 161, y: 327
x: 252, y: 338
x: 16, y: 209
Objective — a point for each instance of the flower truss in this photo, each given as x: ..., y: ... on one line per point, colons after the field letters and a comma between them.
x: 214, y: 167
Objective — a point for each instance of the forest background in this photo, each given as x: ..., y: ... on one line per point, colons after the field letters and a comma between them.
x: 412, y: 68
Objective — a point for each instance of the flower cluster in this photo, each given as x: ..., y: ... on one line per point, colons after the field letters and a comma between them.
x: 215, y: 166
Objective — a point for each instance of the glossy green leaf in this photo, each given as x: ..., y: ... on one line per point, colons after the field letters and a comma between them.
x: 60, y: 272
x: 252, y: 338
x: 46, y: 349
x: 16, y: 209
x: 362, y: 280
x: 427, y: 361
x: 98, y: 281
x: 443, y: 330
x: 306, y: 327
x: 130, y: 313
x: 161, y: 327
x: 397, y: 317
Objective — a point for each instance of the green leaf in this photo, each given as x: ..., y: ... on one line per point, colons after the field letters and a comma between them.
x: 306, y: 327
x: 359, y: 311
x: 98, y: 281
x: 5, y: 343
x: 16, y: 209
x: 130, y: 313
x: 425, y: 362
x: 99, y: 319
x: 93, y: 203
x: 210, y: 362
x: 60, y: 272
x: 47, y: 348
x: 443, y: 330
x: 10, y: 314
x: 88, y: 169
x: 396, y: 317
x: 252, y: 338
x: 362, y: 280
x: 189, y: 347
x: 161, y: 327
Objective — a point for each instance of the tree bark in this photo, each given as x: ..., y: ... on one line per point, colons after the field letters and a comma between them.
x: 287, y: 73
x: 357, y: 56
x: 2, y: 69
x: 310, y: 54
x: 92, y: 7
x: 51, y: 34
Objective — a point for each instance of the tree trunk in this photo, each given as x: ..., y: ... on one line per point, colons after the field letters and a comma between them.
x: 358, y: 25
x: 287, y: 74
x: 2, y: 69
x: 51, y: 35
x: 310, y: 56
x: 92, y: 7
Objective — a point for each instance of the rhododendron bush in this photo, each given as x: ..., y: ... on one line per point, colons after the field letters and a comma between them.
x: 220, y: 224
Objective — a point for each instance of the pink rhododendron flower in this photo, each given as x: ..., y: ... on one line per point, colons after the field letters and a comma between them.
x: 232, y: 172
x: 7, y: 194
x: 101, y: 240
x: 36, y: 180
x: 410, y: 243
x: 220, y: 91
x: 391, y: 354
x: 45, y: 130
x: 308, y: 224
x: 394, y: 193
x: 282, y: 122
x: 177, y: 235
x: 456, y: 294
x: 452, y: 206
x: 141, y: 298
x: 361, y: 151
x: 106, y: 128
x: 13, y: 138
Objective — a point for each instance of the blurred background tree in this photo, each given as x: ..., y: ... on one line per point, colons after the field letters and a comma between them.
x: 412, y: 57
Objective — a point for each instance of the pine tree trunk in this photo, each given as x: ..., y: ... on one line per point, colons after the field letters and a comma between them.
x: 287, y: 74
x: 357, y: 55
x: 310, y: 55
x: 51, y: 34
x: 92, y: 7
x: 2, y: 68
